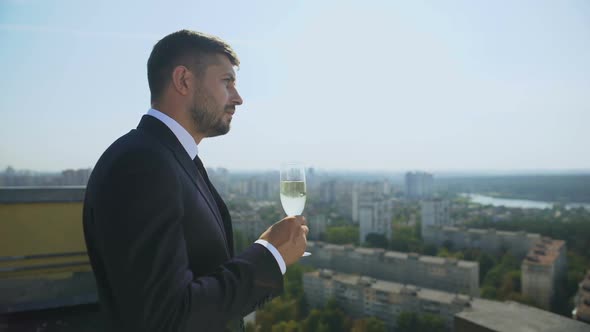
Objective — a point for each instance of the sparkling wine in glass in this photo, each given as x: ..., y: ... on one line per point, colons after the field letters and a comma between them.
x: 293, y: 191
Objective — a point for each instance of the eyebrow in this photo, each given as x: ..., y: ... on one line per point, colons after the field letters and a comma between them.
x: 231, y: 75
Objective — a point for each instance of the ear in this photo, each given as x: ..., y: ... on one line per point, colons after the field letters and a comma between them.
x: 181, y: 80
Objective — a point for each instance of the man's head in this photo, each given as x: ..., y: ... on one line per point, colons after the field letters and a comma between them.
x: 191, y: 78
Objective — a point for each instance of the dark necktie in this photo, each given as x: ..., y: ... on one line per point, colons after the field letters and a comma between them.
x: 223, y: 211
x: 226, y: 221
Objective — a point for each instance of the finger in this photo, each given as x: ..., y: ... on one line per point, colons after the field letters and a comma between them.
x: 287, y: 219
x: 305, y: 229
x: 302, y: 220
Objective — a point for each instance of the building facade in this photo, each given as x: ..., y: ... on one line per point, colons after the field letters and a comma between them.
x: 360, y: 296
x: 375, y: 216
x: 487, y: 240
x: 435, y: 213
x: 419, y: 185
x: 444, y: 274
x: 582, y: 300
x: 543, y: 266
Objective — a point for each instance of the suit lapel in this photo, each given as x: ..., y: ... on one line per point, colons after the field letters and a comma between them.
x: 167, y: 137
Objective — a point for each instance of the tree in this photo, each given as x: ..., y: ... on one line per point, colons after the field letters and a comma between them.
x: 430, y: 250
x: 290, y: 326
x: 407, y: 322
x: 449, y: 245
x: 411, y: 322
x: 375, y: 240
x: 486, y: 263
x: 276, y: 311
x: 342, y: 234
x: 250, y: 327
x: 406, y: 239
x: 370, y: 324
x: 432, y: 323
x: 240, y: 241
x: 312, y: 322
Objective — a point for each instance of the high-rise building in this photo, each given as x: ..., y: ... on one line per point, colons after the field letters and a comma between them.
x: 543, y: 266
x: 375, y: 216
x: 328, y: 191
x: 317, y: 225
x: 220, y: 178
x: 435, y: 213
x: 249, y: 223
x: 355, y: 206
x: 260, y: 187
x: 419, y: 185
x: 366, y: 192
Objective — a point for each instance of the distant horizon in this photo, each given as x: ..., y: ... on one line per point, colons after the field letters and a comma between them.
x: 435, y: 172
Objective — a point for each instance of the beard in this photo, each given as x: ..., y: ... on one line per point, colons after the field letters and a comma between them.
x: 208, y: 117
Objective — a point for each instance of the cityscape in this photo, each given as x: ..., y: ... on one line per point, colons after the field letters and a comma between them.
x: 399, y: 252
x: 441, y: 146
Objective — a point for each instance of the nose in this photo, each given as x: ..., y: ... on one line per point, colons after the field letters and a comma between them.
x: 236, y: 99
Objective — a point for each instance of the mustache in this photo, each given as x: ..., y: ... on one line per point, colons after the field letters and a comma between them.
x: 230, y: 108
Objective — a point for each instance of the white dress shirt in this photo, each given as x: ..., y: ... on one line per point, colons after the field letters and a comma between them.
x: 190, y: 146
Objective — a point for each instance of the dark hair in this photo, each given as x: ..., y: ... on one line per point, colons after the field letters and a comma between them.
x: 184, y: 47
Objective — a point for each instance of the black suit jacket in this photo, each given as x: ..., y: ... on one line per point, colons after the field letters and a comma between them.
x: 160, y: 248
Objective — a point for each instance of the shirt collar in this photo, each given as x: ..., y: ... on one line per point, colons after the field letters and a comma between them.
x: 183, y: 136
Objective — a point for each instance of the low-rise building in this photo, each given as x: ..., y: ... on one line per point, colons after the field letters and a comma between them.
x: 445, y: 274
x: 360, y: 296
x: 488, y: 240
x: 582, y: 300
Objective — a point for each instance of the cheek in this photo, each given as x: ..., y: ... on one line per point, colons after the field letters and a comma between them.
x: 221, y: 95
x: 222, y: 98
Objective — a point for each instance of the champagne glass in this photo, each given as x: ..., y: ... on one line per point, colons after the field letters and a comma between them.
x: 293, y: 191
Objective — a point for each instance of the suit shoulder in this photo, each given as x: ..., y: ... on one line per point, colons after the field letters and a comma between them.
x: 134, y: 150
x: 136, y: 144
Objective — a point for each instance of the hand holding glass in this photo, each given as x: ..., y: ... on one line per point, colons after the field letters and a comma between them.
x: 293, y: 191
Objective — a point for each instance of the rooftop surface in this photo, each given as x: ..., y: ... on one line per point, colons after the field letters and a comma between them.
x: 393, y: 254
x: 515, y: 317
x: 15, y: 195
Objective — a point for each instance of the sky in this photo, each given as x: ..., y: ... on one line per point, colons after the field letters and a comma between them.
x: 336, y: 85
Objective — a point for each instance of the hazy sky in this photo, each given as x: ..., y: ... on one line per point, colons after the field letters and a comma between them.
x: 362, y: 85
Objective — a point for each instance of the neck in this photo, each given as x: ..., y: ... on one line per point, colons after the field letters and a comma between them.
x: 183, y: 118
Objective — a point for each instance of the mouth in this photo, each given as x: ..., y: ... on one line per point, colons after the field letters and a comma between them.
x: 230, y: 115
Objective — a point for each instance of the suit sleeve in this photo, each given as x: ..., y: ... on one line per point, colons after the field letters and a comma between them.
x: 138, y: 230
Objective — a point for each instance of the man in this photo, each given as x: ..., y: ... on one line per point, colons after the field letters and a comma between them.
x: 158, y: 234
